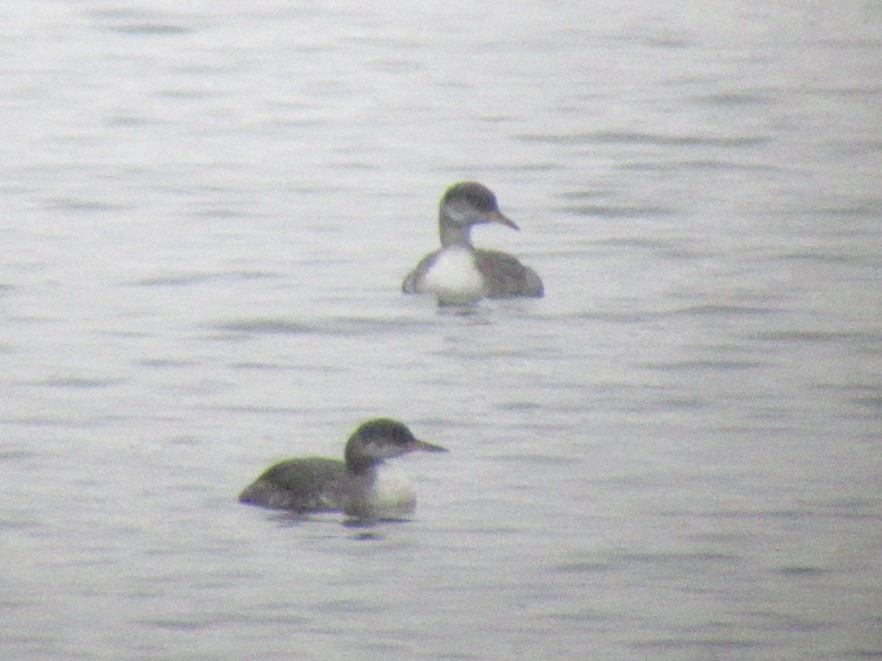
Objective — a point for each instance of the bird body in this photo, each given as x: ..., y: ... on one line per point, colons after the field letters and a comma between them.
x: 363, y: 486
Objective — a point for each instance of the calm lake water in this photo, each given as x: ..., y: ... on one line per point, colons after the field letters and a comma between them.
x: 207, y: 212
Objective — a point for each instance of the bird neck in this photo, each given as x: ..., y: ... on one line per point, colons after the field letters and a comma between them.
x: 361, y: 465
x: 454, y: 234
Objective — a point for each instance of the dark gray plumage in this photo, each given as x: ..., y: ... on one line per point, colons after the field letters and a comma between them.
x: 355, y: 486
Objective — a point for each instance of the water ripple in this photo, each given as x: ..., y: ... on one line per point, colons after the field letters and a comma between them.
x: 186, y: 279
x: 645, y: 139
x: 343, y: 326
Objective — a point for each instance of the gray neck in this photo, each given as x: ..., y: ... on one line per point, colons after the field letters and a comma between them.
x: 361, y: 465
x: 453, y: 234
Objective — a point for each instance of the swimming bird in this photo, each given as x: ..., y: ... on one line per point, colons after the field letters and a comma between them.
x: 363, y: 486
x: 459, y: 273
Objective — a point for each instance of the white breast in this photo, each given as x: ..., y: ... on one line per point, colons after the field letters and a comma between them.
x: 393, y: 495
x: 384, y: 492
x: 454, y: 278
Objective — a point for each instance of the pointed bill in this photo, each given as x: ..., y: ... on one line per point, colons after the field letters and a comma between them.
x: 424, y: 446
x: 502, y: 219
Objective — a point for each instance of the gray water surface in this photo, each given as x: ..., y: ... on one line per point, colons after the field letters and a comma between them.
x: 207, y: 212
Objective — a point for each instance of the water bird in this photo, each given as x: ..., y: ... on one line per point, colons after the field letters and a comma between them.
x: 363, y: 486
x: 459, y: 273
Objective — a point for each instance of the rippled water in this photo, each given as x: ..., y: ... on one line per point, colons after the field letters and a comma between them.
x: 207, y: 214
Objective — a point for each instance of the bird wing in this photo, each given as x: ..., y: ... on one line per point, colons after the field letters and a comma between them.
x: 308, y: 484
x: 413, y: 281
x: 505, y: 276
